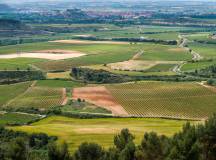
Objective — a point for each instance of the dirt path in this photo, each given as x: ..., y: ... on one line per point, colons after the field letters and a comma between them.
x: 177, y: 68
x: 101, y: 97
x: 196, y: 56
x: 34, y: 67
x: 64, y: 97
x: 212, y: 88
x: 136, y: 56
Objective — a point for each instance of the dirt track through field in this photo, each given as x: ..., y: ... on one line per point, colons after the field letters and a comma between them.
x: 101, y: 97
x: 64, y: 97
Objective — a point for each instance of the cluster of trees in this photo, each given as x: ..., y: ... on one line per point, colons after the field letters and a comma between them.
x: 100, y: 76
x: 21, y: 146
x: 211, y: 82
x: 157, y: 41
x: 7, y: 77
x: 208, y: 72
x: 192, y: 143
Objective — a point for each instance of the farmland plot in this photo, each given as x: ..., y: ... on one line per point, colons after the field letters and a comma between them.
x: 163, y: 99
x: 159, y: 52
x: 39, y: 97
x: 137, y: 65
x: 100, y: 130
x: 8, y: 92
x: 99, y: 96
x: 207, y: 51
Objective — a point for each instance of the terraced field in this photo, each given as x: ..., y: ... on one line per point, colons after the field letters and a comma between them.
x: 165, y: 99
x: 101, y: 131
x: 38, y: 97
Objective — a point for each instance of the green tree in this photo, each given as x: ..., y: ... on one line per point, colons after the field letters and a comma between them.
x: 89, y: 151
x: 152, y: 146
x: 122, y: 139
x: 18, y: 150
x: 58, y: 152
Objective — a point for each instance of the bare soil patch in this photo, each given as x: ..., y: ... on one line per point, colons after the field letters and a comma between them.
x: 137, y: 65
x: 99, y: 96
x: 88, y: 42
x: 46, y: 54
x: 214, y: 37
x: 177, y: 49
x: 83, y: 35
x: 58, y: 51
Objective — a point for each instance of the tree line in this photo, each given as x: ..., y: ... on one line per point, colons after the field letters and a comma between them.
x: 8, y: 77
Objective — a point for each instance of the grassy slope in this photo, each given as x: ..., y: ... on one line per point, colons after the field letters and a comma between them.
x: 205, y: 50
x: 86, y: 48
x: 21, y: 63
x: 191, y: 66
x: 115, y: 53
x: 8, y: 92
x: 165, y: 99
x: 164, y: 52
x: 16, y: 118
x: 58, y: 84
x: 161, y: 68
x: 102, y: 131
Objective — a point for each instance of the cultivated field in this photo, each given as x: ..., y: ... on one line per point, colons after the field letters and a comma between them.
x: 58, y: 84
x: 130, y: 73
x: 165, y: 99
x: 205, y: 50
x: 99, y: 96
x: 19, y: 63
x: 157, y: 52
x: 39, y: 97
x: 8, y: 92
x: 60, y: 75
x: 192, y: 66
x: 101, y: 131
x: 138, y: 65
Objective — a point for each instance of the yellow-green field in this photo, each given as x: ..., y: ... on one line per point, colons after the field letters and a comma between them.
x: 101, y: 130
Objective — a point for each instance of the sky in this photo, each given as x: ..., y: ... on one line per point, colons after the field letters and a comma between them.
x: 21, y: 1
